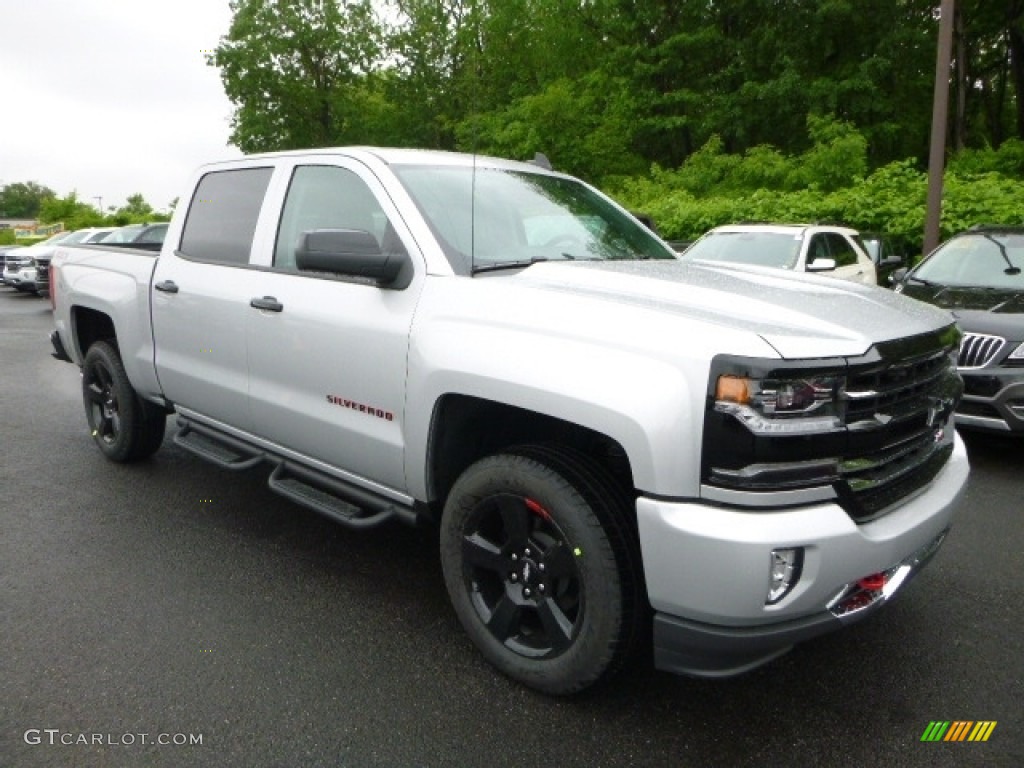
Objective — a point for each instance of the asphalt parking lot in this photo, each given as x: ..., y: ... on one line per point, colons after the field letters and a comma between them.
x: 172, y: 600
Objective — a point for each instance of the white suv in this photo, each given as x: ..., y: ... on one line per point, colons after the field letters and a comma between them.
x: 830, y: 250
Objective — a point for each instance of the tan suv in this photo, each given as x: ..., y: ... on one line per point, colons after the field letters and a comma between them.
x: 826, y: 249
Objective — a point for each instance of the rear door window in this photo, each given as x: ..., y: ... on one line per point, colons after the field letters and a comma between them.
x: 222, y: 216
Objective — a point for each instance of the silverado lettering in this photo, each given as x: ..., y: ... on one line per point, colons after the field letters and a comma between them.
x: 378, y: 412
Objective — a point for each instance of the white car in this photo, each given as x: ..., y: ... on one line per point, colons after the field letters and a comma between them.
x: 19, y: 265
x: 830, y: 250
x: 27, y: 268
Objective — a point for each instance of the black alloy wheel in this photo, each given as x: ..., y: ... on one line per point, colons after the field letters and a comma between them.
x: 101, y: 401
x: 521, y: 575
x: 124, y: 426
x: 541, y: 569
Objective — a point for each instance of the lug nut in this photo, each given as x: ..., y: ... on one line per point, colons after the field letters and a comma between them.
x: 526, y: 591
x: 541, y: 567
x: 526, y: 553
x: 540, y: 587
x: 515, y: 556
x: 514, y: 577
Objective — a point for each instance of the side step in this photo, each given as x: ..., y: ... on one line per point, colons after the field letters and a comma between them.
x: 343, y: 502
x: 222, y: 450
x: 331, y: 497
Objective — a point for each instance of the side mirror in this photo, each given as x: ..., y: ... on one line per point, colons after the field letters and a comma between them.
x: 890, y: 261
x: 896, y: 277
x: 821, y: 265
x: 352, y: 252
x: 646, y: 220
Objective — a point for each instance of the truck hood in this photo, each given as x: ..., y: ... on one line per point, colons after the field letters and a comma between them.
x: 800, y: 316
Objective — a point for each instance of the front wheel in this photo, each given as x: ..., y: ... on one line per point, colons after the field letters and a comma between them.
x: 125, y: 427
x: 537, y: 567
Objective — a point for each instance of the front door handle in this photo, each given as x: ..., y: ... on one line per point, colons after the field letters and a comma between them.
x: 167, y: 286
x: 267, y: 302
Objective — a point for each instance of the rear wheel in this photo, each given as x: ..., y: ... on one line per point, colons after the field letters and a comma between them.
x: 125, y: 427
x: 539, y: 570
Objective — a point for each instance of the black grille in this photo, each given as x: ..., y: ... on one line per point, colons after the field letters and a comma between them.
x: 978, y: 350
x: 897, y: 390
x: 896, y: 411
x: 972, y: 408
x: 865, y: 492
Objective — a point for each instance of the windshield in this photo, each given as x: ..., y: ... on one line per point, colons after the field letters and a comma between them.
x: 523, y: 217
x: 762, y: 249
x: 989, y: 260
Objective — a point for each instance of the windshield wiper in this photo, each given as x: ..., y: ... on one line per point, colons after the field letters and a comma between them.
x: 1010, y: 269
x: 498, y: 265
x: 921, y: 280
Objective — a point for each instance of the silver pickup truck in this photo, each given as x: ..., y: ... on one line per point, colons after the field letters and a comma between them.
x: 620, y: 448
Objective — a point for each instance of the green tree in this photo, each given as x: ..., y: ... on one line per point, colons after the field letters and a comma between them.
x: 70, y: 211
x: 22, y: 200
x: 135, y: 211
x: 293, y: 69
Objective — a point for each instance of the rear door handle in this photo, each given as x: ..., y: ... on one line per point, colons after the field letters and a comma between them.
x: 167, y: 286
x: 267, y: 302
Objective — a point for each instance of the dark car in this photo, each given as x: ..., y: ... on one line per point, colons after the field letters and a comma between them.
x: 885, y: 254
x: 977, y: 276
x: 147, y: 236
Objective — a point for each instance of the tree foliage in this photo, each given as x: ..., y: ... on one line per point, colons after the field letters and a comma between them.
x: 22, y: 200
x: 293, y: 67
x: 613, y: 85
x: 70, y: 211
x: 76, y: 214
x: 697, y: 111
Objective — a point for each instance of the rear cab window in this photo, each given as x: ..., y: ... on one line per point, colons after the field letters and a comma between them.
x: 222, y: 215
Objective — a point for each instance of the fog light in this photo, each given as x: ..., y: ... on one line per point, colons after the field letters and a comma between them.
x: 785, y: 572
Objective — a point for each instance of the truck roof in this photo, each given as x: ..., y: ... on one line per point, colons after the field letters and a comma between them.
x: 393, y: 156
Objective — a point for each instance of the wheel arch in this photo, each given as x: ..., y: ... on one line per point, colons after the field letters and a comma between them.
x: 89, y: 326
x: 465, y: 428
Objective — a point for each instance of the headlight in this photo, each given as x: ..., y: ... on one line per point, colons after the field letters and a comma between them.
x: 1017, y: 354
x: 767, y: 406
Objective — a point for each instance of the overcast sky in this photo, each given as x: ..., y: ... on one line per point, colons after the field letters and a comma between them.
x: 111, y: 97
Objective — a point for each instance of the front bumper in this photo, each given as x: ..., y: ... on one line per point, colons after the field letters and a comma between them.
x: 993, y: 400
x: 23, y: 279
x: 708, y: 571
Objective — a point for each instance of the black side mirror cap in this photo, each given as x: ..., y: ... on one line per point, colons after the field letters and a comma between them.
x: 351, y: 252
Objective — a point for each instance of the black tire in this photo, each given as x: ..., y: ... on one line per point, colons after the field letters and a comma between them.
x: 540, y: 569
x: 125, y: 427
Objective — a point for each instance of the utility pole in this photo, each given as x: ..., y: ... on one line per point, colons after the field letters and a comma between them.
x: 100, y: 199
x: 940, y: 110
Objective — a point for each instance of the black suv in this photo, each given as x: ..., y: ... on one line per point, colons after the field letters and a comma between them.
x: 977, y: 276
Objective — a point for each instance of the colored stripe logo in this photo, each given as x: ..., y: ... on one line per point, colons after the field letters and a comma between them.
x: 958, y: 730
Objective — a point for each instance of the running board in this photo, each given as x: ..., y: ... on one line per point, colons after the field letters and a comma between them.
x: 331, y: 497
x: 215, y: 447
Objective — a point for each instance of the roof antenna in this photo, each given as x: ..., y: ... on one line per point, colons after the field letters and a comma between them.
x: 541, y: 161
x: 473, y: 109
